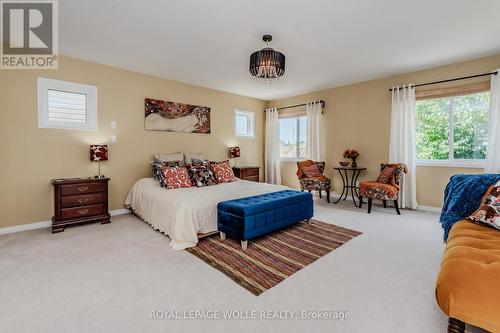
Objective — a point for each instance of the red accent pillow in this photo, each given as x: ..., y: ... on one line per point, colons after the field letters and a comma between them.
x: 312, y: 171
x: 223, y: 172
x: 176, y: 177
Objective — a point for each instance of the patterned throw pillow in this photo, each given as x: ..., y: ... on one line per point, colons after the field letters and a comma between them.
x: 386, y: 175
x: 489, y: 211
x: 156, y: 167
x: 201, y: 174
x: 175, y: 177
x: 223, y: 172
x: 312, y: 171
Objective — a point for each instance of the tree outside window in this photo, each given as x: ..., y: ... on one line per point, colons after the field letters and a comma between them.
x: 452, y: 129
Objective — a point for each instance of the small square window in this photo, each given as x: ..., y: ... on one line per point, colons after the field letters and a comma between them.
x: 66, y: 105
x: 244, y: 124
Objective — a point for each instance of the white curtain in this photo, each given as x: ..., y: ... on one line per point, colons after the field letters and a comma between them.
x: 402, y: 141
x: 493, y: 153
x: 272, y: 149
x: 314, y: 143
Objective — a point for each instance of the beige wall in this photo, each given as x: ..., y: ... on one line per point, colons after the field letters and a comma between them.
x: 30, y: 157
x: 358, y: 116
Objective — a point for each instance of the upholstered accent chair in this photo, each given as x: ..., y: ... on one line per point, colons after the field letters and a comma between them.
x: 385, y: 188
x: 311, y: 177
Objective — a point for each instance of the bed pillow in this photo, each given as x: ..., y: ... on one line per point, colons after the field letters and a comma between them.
x: 169, y: 157
x: 176, y: 177
x: 157, y: 165
x: 223, y: 172
x: 489, y: 211
x: 193, y: 158
x: 201, y: 174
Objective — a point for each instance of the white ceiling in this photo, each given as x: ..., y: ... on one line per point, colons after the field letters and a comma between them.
x: 327, y: 43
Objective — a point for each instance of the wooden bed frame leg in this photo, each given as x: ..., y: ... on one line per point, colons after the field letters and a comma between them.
x: 222, y: 235
x: 244, y: 245
x: 456, y: 326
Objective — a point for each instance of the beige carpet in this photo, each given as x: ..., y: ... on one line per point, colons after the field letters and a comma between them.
x: 107, y: 278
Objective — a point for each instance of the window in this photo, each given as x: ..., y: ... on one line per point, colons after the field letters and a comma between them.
x: 244, y: 124
x: 453, y: 130
x: 292, y: 133
x: 66, y: 105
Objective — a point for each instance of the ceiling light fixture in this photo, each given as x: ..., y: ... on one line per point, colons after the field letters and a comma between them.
x: 267, y: 63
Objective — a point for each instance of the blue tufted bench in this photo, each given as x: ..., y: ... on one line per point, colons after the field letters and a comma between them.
x: 250, y: 217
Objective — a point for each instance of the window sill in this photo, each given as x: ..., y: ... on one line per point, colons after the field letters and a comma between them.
x: 244, y: 137
x: 473, y: 164
x: 292, y: 159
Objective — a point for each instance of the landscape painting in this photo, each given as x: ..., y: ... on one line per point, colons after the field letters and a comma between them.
x: 176, y: 117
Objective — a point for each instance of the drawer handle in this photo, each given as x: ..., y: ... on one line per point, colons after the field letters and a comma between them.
x: 83, y: 211
x: 83, y: 201
x: 82, y: 188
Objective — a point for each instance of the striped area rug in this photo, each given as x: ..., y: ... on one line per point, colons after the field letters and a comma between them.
x: 272, y: 258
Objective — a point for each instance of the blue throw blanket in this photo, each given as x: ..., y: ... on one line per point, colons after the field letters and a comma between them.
x: 462, y: 197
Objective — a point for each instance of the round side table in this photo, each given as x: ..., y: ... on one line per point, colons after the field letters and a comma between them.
x: 349, y: 185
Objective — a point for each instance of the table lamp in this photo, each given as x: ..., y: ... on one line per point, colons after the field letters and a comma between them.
x: 234, y: 152
x: 99, y: 153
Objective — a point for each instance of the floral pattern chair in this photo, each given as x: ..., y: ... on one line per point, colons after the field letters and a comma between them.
x: 386, y: 187
x: 315, y: 180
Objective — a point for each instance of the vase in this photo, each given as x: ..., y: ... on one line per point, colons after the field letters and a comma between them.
x: 354, y: 164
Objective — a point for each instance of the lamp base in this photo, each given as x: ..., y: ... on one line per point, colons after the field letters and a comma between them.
x: 99, y: 176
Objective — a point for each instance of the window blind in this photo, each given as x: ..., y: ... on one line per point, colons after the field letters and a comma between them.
x: 452, y: 91
x: 67, y: 107
x: 292, y: 113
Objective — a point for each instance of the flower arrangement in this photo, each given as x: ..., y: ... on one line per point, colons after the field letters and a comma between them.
x: 353, y: 155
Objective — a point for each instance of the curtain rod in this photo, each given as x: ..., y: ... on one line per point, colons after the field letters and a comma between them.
x: 451, y: 80
x: 296, y: 106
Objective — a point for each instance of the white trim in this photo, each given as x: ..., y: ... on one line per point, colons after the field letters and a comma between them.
x: 292, y: 159
x: 120, y: 211
x: 429, y: 209
x: 24, y: 227
x: 422, y: 208
x: 44, y: 85
x: 48, y: 224
x: 475, y: 164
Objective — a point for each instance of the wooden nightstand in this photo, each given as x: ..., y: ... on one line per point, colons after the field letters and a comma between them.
x: 78, y: 201
x: 247, y: 173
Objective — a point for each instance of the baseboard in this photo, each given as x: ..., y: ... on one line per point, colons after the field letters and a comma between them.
x: 120, y: 211
x: 48, y: 224
x: 429, y: 209
x: 24, y: 227
x: 420, y: 207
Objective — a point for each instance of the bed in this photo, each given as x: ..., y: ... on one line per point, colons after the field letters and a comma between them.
x: 184, y: 214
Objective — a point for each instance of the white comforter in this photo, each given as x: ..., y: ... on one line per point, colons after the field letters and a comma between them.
x: 185, y: 212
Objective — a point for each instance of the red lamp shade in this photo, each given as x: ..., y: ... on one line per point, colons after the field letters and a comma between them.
x: 234, y: 152
x: 98, y: 153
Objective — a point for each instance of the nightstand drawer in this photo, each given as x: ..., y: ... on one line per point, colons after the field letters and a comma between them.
x: 81, y: 188
x: 82, y: 211
x: 250, y: 172
x: 252, y: 178
x: 84, y: 199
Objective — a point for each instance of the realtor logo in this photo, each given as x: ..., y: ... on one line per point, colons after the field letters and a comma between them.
x: 29, y: 35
